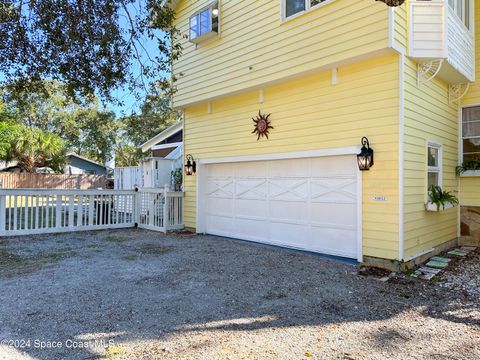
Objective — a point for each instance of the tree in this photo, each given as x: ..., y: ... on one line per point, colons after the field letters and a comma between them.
x: 8, y: 133
x: 87, y: 128
x: 127, y: 155
x: 91, y: 46
x: 34, y: 148
x: 155, y: 116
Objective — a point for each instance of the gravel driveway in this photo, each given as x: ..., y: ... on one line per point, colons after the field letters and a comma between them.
x: 134, y: 294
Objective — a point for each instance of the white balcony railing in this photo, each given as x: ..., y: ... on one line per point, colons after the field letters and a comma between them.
x: 436, y: 33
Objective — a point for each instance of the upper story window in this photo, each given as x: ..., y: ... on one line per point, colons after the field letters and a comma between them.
x: 471, y: 133
x: 204, y: 23
x: 462, y: 9
x: 292, y: 7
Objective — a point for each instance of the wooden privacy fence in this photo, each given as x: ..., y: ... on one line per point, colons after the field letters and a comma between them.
x: 35, y: 211
x: 51, y: 181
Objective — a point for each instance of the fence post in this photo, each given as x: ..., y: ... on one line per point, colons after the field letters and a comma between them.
x: 166, y: 212
x: 136, y: 206
x: 3, y: 206
x: 58, y: 212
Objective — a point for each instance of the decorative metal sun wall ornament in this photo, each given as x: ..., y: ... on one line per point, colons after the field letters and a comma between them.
x: 392, y: 3
x: 261, y: 125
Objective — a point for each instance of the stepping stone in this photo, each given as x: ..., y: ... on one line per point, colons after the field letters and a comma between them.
x: 426, y: 273
x: 468, y: 248
x: 440, y: 259
x: 437, y: 264
x: 458, y: 252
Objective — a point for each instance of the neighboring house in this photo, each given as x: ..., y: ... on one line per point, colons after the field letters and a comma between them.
x: 77, y: 165
x: 166, y: 149
x: 329, y: 73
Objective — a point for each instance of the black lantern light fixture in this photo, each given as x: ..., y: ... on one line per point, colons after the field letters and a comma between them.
x: 190, y: 166
x: 365, y: 158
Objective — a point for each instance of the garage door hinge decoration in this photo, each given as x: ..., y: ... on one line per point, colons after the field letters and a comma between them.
x: 261, y: 125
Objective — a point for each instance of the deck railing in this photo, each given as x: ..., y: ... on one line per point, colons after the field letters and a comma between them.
x: 35, y: 211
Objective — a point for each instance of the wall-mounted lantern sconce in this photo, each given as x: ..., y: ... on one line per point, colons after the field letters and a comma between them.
x: 365, y: 158
x: 190, y: 166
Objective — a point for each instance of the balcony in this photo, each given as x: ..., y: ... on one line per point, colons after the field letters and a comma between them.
x: 441, y: 42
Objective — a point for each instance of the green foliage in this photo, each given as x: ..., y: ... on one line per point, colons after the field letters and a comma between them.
x: 33, y: 149
x: 155, y: 115
x: 468, y: 165
x: 87, y: 129
x: 91, y: 46
x: 441, y: 197
x: 127, y: 155
x: 8, y: 133
x: 177, y: 176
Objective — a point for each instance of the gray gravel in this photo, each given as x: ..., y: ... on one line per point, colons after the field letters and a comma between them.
x: 143, y: 295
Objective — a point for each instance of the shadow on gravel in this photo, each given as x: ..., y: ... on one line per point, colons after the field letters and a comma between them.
x: 131, y: 285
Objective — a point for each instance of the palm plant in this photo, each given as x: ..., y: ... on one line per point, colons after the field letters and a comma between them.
x: 441, y: 197
x: 34, y: 148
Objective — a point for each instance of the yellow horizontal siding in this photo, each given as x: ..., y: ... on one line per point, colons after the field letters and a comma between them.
x: 473, y: 95
x: 428, y: 116
x: 470, y: 186
x: 401, y: 26
x: 470, y: 191
x: 307, y: 114
x: 255, y: 48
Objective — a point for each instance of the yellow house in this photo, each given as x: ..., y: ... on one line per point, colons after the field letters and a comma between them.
x: 328, y: 73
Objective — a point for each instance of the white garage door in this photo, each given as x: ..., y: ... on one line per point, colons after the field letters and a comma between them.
x: 308, y: 203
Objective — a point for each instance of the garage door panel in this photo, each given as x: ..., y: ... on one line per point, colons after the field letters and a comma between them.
x: 291, y: 235
x: 335, y: 241
x: 250, y: 228
x: 255, y: 208
x: 254, y: 169
x: 281, y: 168
x: 220, y: 224
x: 288, y: 210
x: 308, y: 204
x: 287, y: 189
x: 335, y: 214
x: 220, y: 206
x: 253, y: 189
x: 220, y: 187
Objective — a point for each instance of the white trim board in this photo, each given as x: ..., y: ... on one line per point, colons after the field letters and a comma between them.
x: 166, y: 146
x: 282, y: 156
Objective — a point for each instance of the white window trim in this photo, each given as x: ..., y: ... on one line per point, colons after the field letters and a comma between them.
x: 469, y: 173
x: 438, y: 169
x: 207, y: 7
x: 308, y: 8
x: 471, y: 26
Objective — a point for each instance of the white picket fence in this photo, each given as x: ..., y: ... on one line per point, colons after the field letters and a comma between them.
x: 36, y: 211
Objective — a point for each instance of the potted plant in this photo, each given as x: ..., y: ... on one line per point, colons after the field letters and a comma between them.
x: 177, y: 177
x: 468, y: 165
x: 438, y: 198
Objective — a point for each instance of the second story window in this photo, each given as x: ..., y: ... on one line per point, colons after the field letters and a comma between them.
x: 204, y: 23
x: 292, y: 7
x: 462, y: 9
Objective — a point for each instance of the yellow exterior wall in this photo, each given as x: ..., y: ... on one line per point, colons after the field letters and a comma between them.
x: 311, y: 113
x: 428, y: 116
x: 400, y: 26
x: 470, y: 186
x: 256, y: 49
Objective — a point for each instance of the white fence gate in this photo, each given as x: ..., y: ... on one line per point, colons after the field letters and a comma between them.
x: 37, y: 211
